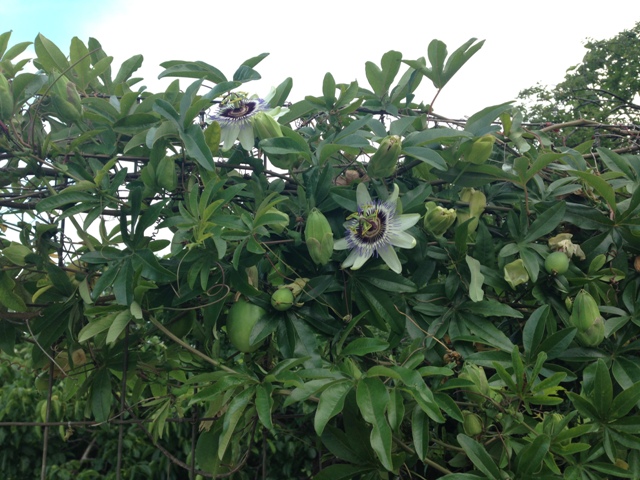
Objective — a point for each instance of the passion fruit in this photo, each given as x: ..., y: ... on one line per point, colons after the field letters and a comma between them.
x: 556, y: 263
x: 282, y: 299
x: 241, y: 319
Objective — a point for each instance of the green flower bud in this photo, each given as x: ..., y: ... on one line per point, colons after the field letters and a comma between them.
x: 383, y: 163
x: 318, y: 237
x: 584, y: 312
x: 477, y: 202
x: 265, y: 126
x: 6, y: 99
x: 73, y: 97
x: 479, y: 391
x: 438, y: 219
x: 515, y: 273
x: 592, y: 336
x: 473, y: 424
x: 480, y: 150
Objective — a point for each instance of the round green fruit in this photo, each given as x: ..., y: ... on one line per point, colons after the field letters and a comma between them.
x: 556, y: 263
x: 241, y: 319
x: 282, y: 299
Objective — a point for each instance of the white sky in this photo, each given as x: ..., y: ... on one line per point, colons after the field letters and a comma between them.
x: 526, y: 42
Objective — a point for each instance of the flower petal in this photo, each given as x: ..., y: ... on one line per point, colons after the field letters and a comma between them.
x: 402, y: 240
x: 228, y: 136
x: 246, y: 138
x: 360, y: 258
x: 393, y: 198
x: 362, y: 195
x: 340, y: 244
x: 388, y: 254
x: 408, y: 220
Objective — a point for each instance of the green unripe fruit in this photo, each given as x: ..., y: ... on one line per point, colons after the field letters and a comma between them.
x: 282, y: 299
x: 241, y: 319
x: 556, y: 263
x: 472, y: 424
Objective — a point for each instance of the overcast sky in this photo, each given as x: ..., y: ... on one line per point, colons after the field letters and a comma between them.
x: 526, y: 42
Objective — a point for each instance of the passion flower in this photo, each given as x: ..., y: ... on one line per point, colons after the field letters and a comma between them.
x: 374, y: 230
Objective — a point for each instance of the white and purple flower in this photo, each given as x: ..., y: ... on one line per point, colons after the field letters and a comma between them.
x: 374, y: 230
x: 236, y: 114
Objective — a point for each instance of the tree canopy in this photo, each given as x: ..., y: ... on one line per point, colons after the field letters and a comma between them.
x: 213, y: 282
x: 604, y: 88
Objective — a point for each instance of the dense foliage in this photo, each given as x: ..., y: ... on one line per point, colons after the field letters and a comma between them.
x: 340, y: 287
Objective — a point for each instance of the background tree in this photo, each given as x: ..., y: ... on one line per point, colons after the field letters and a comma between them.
x: 603, y: 88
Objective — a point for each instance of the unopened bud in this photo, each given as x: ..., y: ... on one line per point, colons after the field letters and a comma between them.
x: 383, y: 163
x: 480, y: 150
x: 438, y: 219
x: 584, y: 312
x: 318, y: 237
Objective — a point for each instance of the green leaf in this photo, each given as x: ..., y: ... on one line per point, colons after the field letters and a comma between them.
x: 546, y: 222
x: 602, y: 392
x: 101, y: 395
x: 529, y: 459
x: 56, y: 201
x: 492, y: 308
x: 331, y: 403
x: 341, y: 471
x: 364, y: 346
x: 95, y: 327
x: 479, y: 456
x: 381, y: 79
x: 127, y: 69
x: 372, y: 399
x: 49, y: 55
x: 196, y: 146
x: 118, y: 325
x: 427, y: 155
x: 232, y: 416
x: 420, y: 432
x: 599, y: 185
x: 541, y: 162
x: 533, y: 331
x: 178, y: 68
x: 264, y: 404
x: 389, y: 281
x: 476, y: 294
x: 583, y: 405
x: 625, y: 401
x: 8, y: 297
x: 480, y: 123
x: 283, y: 146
